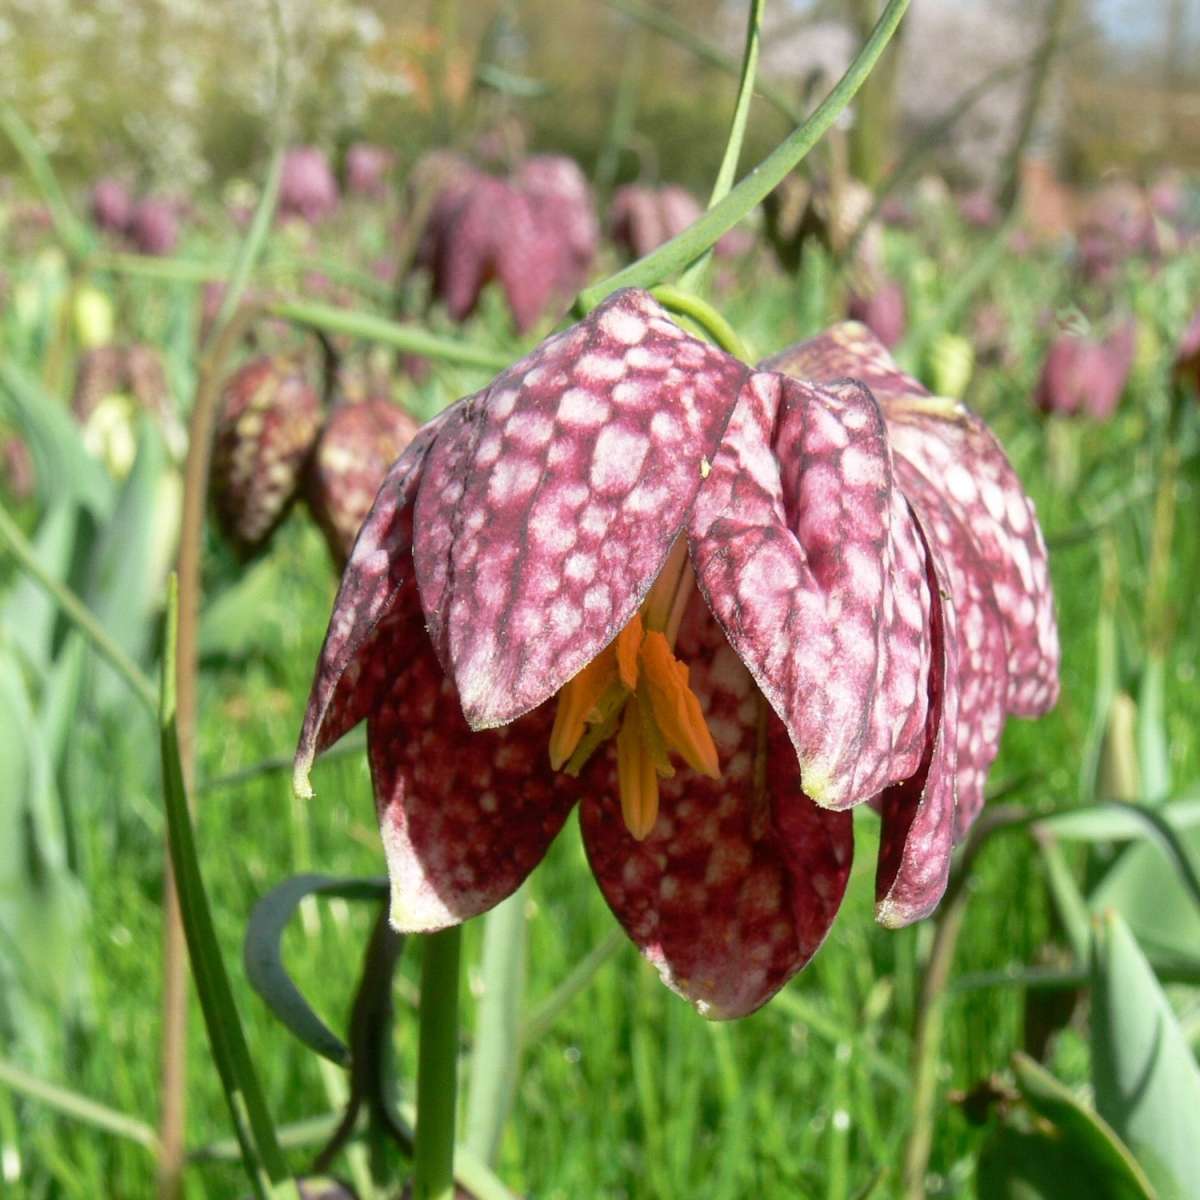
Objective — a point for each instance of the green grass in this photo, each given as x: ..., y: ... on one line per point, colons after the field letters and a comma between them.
x: 629, y: 1093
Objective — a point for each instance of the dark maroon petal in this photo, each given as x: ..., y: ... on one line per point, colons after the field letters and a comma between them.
x: 551, y: 501
x: 807, y: 554
x: 981, y: 651
x: 739, y: 881
x: 369, y: 628
x: 358, y: 444
x: 464, y: 816
x: 918, y: 814
x: 269, y: 420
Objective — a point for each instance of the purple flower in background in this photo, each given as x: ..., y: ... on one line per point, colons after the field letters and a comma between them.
x: 883, y: 311
x: 1085, y: 376
x: 979, y: 209
x: 1187, y: 356
x: 111, y: 205
x: 755, y: 601
x: 367, y: 170
x: 154, y: 226
x: 307, y: 189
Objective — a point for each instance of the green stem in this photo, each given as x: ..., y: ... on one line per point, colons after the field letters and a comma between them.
x: 78, y: 1108
x: 694, y: 277
x: 676, y: 254
x: 496, y: 1050
x: 76, y: 612
x: 390, y: 333
x: 437, y: 1066
x: 71, y: 231
x: 688, y: 305
x: 247, y: 1107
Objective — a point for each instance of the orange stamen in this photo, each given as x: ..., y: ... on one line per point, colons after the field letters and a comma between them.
x: 636, y: 777
x: 629, y: 642
x: 577, y: 702
x: 675, y: 707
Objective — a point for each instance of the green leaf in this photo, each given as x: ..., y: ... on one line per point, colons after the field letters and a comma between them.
x: 125, y: 569
x: 496, y: 1050
x: 263, y: 955
x: 1154, y: 758
x: 1032, y: 1164
x: 27, y: 607
x: 1146, y: 1080
x: 1118, y: 823
x: 64, y: 468
x: 1085, y: 1131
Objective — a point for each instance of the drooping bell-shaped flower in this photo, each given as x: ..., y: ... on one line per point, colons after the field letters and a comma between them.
x: 154, y: 226
x: 358, y: 443
x: 882, y: 310
x: 367, y: 170
x: 1085, y: 376
x: 308, y: 190
x: 270, y: 415
x: 111, y: 205
x: 710, y: 604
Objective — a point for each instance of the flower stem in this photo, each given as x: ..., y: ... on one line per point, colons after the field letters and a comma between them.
x: 686, y: 304
x: 696, y: 275
x: 437, y: 1067
x: 676, y: 254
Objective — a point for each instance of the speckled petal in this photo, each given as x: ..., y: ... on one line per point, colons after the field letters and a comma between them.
x: 808, y: 555
x: 961, y: 458
x: 918, y: 814
x: 550, y: 501
x: 966, y: 464
x: 981, y: 657
x: 737, y: 884
x: 369, y: 627
x: 464, y: 816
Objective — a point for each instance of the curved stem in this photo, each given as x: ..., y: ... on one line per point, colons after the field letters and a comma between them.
x: 689, y: 305
x: 694, y: 277
x: 698, y: 237
x: 437, y: 1067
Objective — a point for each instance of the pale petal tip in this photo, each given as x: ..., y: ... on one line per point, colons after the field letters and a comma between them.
x: 301, y: 768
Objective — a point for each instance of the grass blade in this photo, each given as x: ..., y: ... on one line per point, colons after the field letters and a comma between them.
x: 252, y: 1122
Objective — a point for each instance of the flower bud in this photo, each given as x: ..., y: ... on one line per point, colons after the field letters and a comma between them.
x: 882, y: 311
x: 154, y: 227
x: 268, y: 425
x: 111, y: 205
x: 358, y: 444
x: 367, y: 169
x: 1086, y: 376
x: 307, y: 188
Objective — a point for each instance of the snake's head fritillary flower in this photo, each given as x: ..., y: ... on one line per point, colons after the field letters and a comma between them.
x: 308, y: 190
x: 367, y: 170
x: 700, y: 601
x: 1085, y: 375
x: 154, y: 226
x: 111, y: 205
x: 882, y: 310
x: 269, y: 419
x: 558, y: 192
x: 360, y: 440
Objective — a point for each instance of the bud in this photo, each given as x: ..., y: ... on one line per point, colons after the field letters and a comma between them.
x: 111, y: 205
x: 268, y: 424
x: 154, y: 227
x: 16, y: 467
x: 356, y: 447
x: 93, y: 317
x: 978, y: 209
x: 882, y: 311
x: 307, y: 188
x: 951, y: 363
